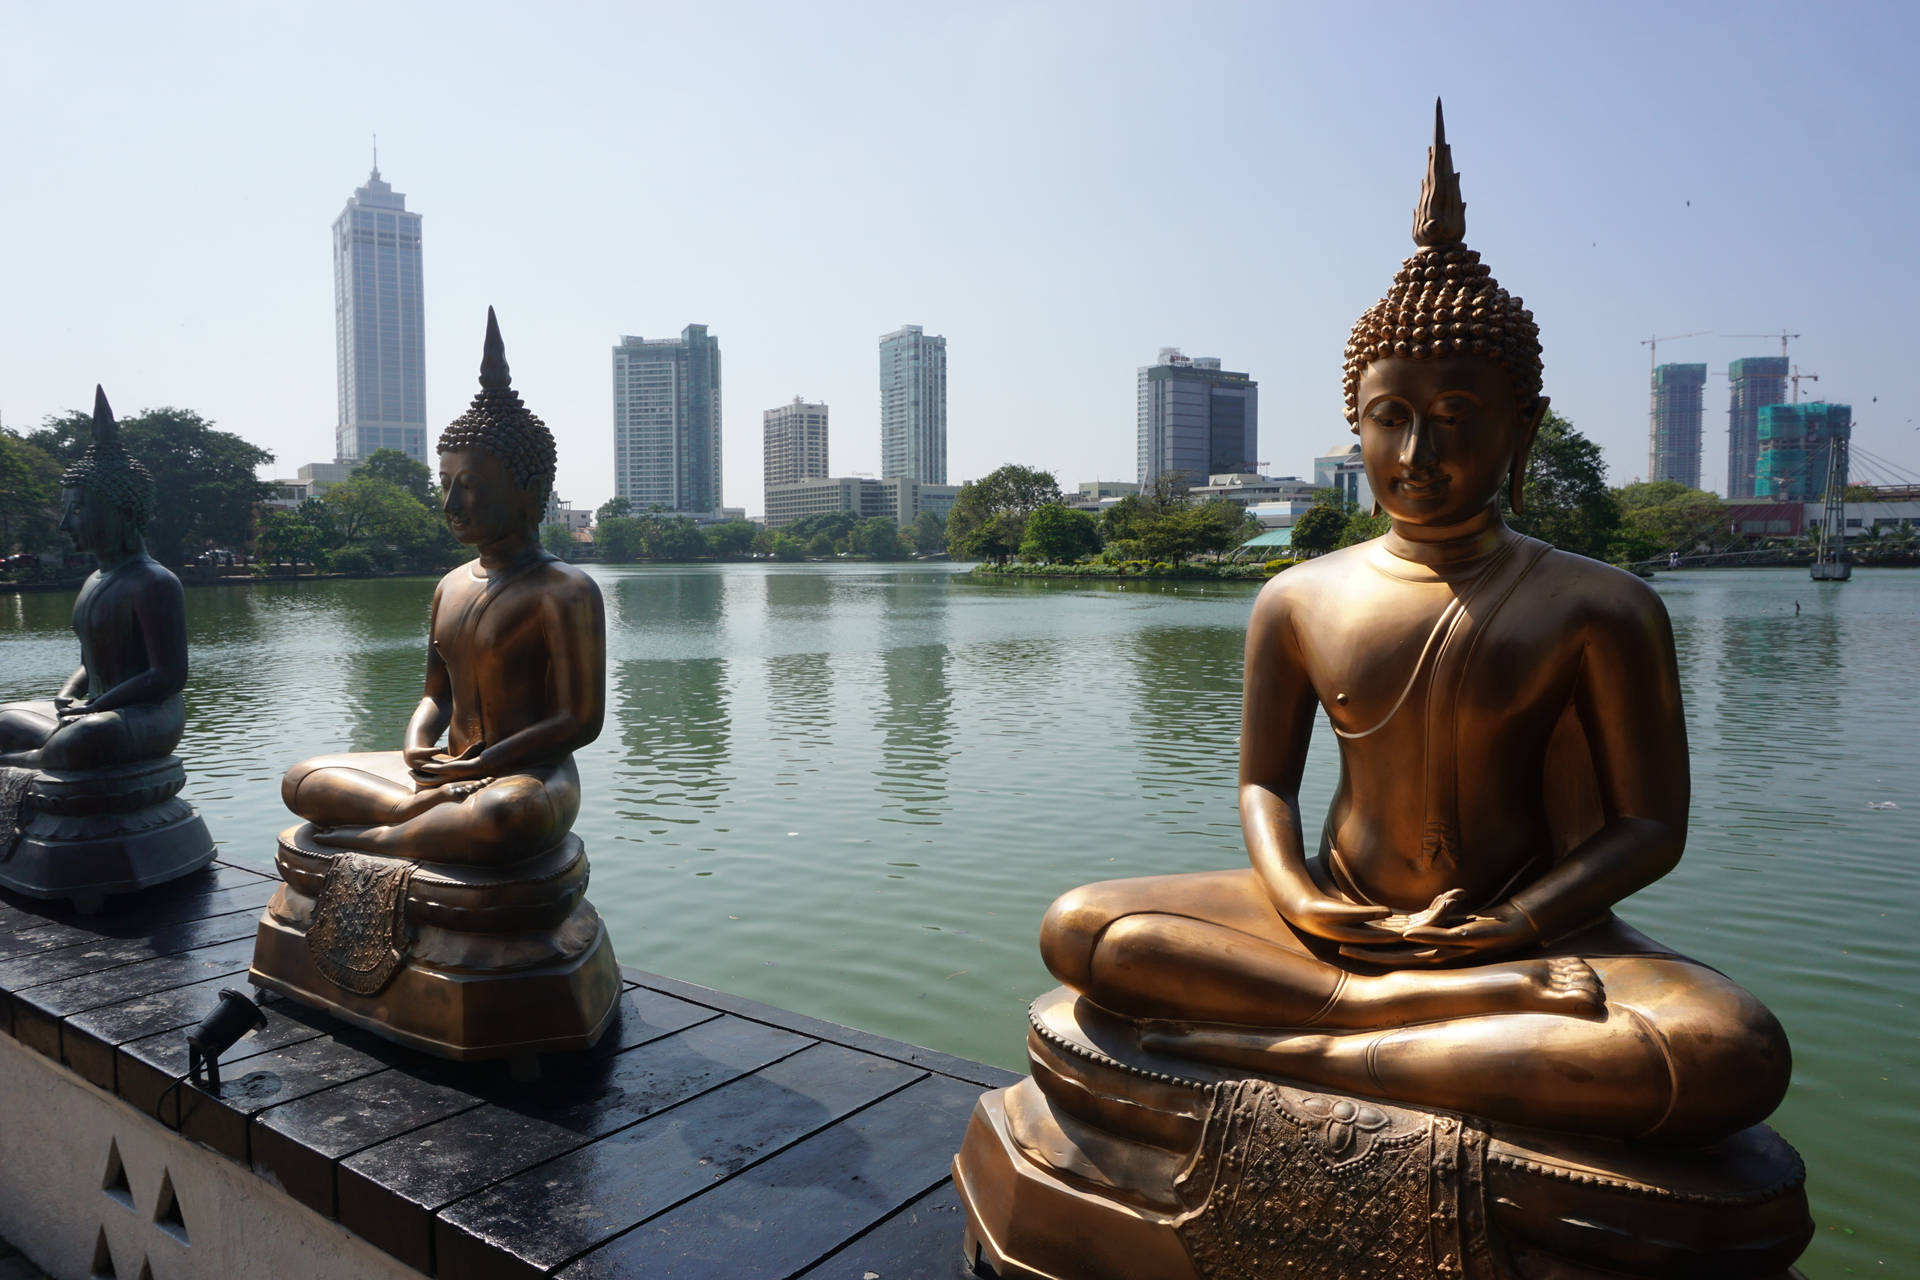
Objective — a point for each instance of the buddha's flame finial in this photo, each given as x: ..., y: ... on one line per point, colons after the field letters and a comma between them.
x: 494, y: 374
x: 1440, y: 218
x: 106, y: 432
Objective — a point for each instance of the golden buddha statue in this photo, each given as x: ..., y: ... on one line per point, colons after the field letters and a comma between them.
x: 450, y: 873
x: 1442, y: 971
x: 88, y: 780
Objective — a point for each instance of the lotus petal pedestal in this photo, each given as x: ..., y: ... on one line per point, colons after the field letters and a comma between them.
x: 85, y: 835
x: 1113, y: 1161
x: 457, y: 961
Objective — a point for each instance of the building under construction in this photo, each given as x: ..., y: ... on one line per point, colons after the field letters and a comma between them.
x: 1673, y: 440
x: 1752, y: 384
x: 1794, y: 439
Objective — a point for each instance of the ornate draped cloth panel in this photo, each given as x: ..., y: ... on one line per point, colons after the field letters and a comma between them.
x: 1291, y: 1183
x: 13, y: 798
x: 359, y: 936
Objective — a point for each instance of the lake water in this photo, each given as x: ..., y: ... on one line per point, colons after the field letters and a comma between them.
x: 852, y: 791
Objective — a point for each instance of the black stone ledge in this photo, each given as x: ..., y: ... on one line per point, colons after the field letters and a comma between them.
x: 706, y: 1135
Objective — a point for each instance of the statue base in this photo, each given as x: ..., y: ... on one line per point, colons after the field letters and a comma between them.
x: 1115, y: 1161
x: 83, y: 836
x: 456, y: 961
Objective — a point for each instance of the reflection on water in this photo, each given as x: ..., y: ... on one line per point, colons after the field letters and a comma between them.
x: 915, y: 734
x: 852, y: 791
x: 673, y: 724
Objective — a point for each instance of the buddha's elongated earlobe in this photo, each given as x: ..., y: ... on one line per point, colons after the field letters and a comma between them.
x: 1377, y: 513
x: 1517, y: 478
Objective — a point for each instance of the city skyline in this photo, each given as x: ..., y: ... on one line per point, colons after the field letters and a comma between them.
x: 379, y: 312
x: 1606, y: 204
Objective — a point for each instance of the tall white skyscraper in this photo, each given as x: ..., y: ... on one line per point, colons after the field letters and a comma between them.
x: 913, y: 406
x: 795, y: 443
x: 666, y: 422
x: 380, y: 335
x: 1196, y: 419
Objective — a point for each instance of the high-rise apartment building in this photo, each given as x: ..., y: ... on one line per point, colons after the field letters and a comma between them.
x: 1794, y: 444
x: 380, y: 336
x: 1673, y: 439
x: 1196, y: 419
x: 1752, y: 384
x: 794, y: 446
x: 913, y: 405
x: 666, y: 422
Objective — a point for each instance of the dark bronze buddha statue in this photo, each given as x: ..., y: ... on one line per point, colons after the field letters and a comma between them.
x: 88, y: 780
x: 482, y: 943
x: 1439, y: 975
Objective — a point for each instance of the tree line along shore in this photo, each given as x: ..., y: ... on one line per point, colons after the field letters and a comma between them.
x: 385, y: 519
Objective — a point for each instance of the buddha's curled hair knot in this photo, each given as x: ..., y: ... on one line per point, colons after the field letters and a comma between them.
x: 106, y: 470
x: 1444, y: 301
x: 499, y: 423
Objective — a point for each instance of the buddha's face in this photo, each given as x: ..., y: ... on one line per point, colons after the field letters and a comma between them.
x: 1439, y: 437
x: 480, y: 498
x: 94, y: 523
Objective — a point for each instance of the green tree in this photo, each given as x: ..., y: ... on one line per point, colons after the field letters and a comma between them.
x: 204, y: 478
x: 763, y: 542
x: 1659, y: 516
x: 1362, y: 526
x: 613, y: 509
x: 820, y: 544
x: 679, y: 539
x: 787, y: 547
x: 289, y: 538
x: 1058, y: 534
x: 1318, y: 529
x: 397, y: 468
x: 879, y: 538
x: 30, y: 504
x: 929, y: 533
x: 558, y: 541
x: 386, y: 522
x: 835, y: 524
x: 733, y: 538
x: 989, y: 515
x: 1220, y: 525
x: 621, y: 539
x: 1568, y: 503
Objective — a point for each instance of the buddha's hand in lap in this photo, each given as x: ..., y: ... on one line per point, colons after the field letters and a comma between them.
x: 433, y: 769
x: 1445, y: 932
x: 1330, y: 918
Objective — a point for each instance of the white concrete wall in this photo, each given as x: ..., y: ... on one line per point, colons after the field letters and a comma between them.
x: 56, y: 1132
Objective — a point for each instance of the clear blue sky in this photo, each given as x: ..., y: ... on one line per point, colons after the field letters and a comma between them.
x: 1060, y: 189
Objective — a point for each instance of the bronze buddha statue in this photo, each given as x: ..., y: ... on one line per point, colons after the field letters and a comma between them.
x: 436, y: 896
x: 1443, y: 965
x: 88, y: 780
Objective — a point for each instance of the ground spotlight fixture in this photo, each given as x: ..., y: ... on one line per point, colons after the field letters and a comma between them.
x: 236, y: 1016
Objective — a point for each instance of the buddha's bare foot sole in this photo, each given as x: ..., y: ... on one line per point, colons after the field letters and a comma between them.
x: 1560, y: 984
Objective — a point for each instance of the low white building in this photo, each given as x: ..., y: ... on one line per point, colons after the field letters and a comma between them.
x: 898, y: 498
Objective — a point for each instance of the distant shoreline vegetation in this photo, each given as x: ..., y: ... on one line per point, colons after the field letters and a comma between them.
x: 1139, y: 570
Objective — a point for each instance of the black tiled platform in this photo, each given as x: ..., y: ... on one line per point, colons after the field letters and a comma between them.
x: 705, y: 1136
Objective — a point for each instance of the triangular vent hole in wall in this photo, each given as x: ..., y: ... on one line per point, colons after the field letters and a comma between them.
x: 166, y: 1211
x: 114, y: 1181
x: 102, y: 1259
x: 146, y: 1270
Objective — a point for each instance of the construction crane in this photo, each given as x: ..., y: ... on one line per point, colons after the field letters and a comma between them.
x: 1783, y: 335
x: 1796, y: 377
x: 1653, y: 345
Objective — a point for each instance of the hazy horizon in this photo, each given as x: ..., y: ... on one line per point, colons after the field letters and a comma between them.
x: 1060, y: 190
